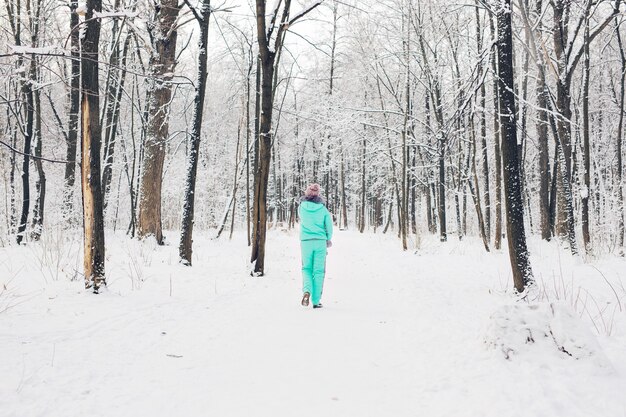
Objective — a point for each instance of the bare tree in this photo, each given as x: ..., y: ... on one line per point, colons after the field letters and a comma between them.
x: 74, y: 103
x: 163, y: 35
x: 268, y: 57
x: 497, y: 136
x: 483, y: 129
x: 568, y: 54
x: 93, y: 220
x: 116, y: 78
x: 586, y: 146
x: 516, y: 236
x: 202, y: 16
x: 34, y: 11
x: 14, y: 14
x: 619, y: 141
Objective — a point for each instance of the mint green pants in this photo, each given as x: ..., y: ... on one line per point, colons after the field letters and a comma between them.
x: 313, y: 268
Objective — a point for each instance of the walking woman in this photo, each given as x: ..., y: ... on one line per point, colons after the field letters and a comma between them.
x: 316, y: 232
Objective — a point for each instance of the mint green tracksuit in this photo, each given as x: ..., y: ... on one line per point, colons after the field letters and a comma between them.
x: 316, y: 228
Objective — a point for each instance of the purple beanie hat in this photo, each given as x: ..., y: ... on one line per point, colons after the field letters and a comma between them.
x: 313, y: 190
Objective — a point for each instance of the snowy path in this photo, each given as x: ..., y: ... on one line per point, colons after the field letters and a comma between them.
x: 400, y: 335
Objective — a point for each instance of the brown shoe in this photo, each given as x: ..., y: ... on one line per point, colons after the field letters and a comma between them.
x: 305, y: 299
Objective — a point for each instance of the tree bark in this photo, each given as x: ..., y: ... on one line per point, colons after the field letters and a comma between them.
x: 40, y: 185
x: 27, y: 91
x: 618, y: 145
x: 563, y: 107
x: 344, y: 207
x: 267, y: 57
x: 235, y: 185
x: 185, y: 249
x: 483, y: 131
x: 497, y: 134
x: 443, y: 234
x: 72, y: 126
x: 163, y: 34
x: 259, y: 209
x: 541, y: 127
x: 250, y: 65
x: 518, y: 252
x: 114, y: 93
x: 13, y: 160
x: 586, y: 148
x: 404, y: 225
x: 363, y: 188
x: 93, y: 221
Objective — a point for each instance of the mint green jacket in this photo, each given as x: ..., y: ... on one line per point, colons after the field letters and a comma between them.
x: 315, y: 221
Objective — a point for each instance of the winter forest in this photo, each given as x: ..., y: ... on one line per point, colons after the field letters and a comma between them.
x: 155, y: 166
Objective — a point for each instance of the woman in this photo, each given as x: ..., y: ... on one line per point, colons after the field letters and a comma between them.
x: 316, y: 232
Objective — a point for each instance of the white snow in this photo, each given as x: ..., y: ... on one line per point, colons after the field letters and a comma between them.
x: 401, y: 333
x: 43, y: 50
x: 82, y: 9
x: 584, y: 192
x: 544, y: 331
x: 129, y: 14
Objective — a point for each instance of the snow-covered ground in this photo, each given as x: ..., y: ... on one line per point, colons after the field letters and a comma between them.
x: 421, y: 333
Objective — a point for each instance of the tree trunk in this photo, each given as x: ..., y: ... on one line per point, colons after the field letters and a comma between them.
x: 518, y: 253
x: 93, y: 221
x: 72, y: 126
x: 257, y: 119
x: 497, y: 133
x: 116, y: 87
x: 563, y: 101
x: 431, y: 217
x: 389, y: 217
x: 13, y: 204
x: 162, y: 63
x: 483, y: 132
x: 33, y: 11
x: 544, y: 160
x: 250, y: 64
x: 443, y: 234
x: 618, y: 147
x: 482, y: 228
x: 586, y: 149
x: 40, y: 186
x: 259, y: 209
x: 344, y: 207
x: 458, y: 186
x: 404, y: 225
x: 27, y: 91
x: 476, y: 198
x: 267, y: 57
x: 261, y: 178
x: 394, y: 177
x: 185, y: 249
x: 413, y: 190
x: 363, y: 190
x: 541, y: 127
x: 565, y: 207
x: 232, y: 216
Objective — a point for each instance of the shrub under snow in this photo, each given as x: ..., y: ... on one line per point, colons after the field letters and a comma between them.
x: 543, y: 330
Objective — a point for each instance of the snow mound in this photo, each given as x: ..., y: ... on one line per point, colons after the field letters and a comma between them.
x: 543, y: 330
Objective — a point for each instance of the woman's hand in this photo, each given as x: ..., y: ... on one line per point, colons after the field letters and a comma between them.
x: 329, y: 243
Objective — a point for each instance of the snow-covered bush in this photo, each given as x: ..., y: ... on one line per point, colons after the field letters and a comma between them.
x: 543, y: 331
